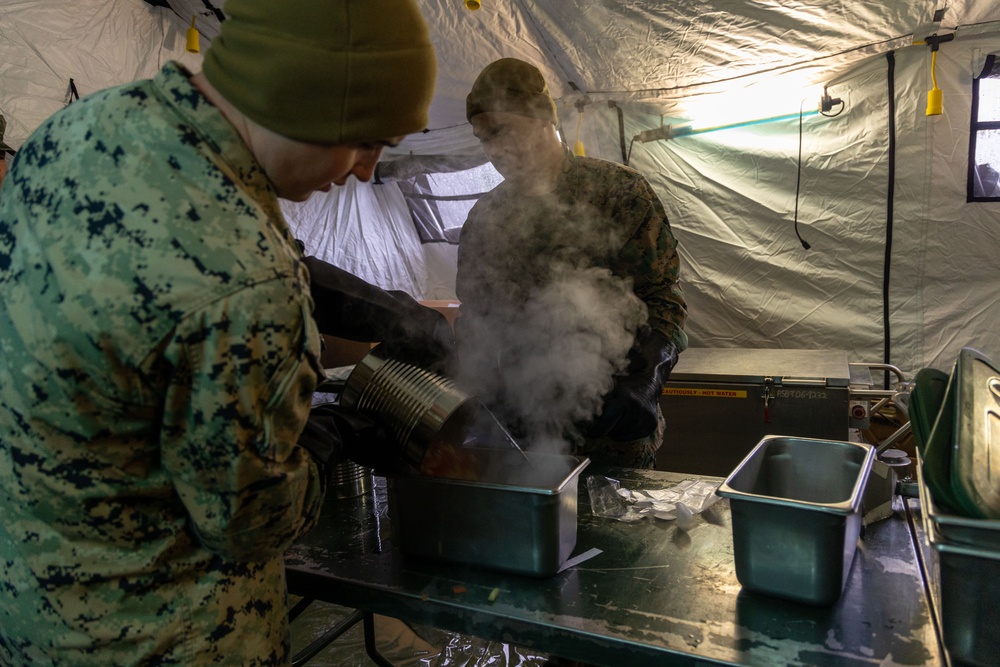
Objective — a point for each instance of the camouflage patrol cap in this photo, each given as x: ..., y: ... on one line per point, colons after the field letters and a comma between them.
x: 4, y: 148
x: 512, y: 86
x: 326, y: 71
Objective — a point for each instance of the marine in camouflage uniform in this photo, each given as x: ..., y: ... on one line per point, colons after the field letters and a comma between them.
x: 600, y: 214
x: 149, y: 473
x: 158, y: 352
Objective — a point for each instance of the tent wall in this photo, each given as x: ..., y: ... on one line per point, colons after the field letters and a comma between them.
x: 366, y: 229
x: 946, y: 270
x: 730, y: 195
x: 731, y: 198
x: 95, y: 42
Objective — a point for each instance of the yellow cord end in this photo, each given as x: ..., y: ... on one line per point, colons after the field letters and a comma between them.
x: 192, y: 45
x: 935, y: 102
x: 578, y: 149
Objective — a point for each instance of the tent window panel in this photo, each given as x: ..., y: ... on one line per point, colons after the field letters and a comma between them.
x: 989, y: 100
x: 984, y: 135
x: 440, y: 203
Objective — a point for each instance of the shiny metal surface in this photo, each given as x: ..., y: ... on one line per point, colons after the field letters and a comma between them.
x: 349, y: 480
x: 521, y: 518
x: 953, y: 528
x: 976, y: 465
x: 655, y: 596
x: 796, y: 506
x: 720, y: 402
x: 796, y: 367
x: 963, y: 568
x: 418, y: 406
x: 970, y: 601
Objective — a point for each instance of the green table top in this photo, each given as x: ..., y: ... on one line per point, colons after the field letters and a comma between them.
x: 656, y: 595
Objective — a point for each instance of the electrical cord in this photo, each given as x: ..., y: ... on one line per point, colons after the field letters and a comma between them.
x: 826, y: 104
x: 798, y: 182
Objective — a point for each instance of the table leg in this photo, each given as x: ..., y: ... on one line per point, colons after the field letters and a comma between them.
x: 370, y: 646
x: 342, y: 626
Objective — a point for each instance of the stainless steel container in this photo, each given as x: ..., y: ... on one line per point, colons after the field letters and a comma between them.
x: 796, y: 512
x: 960, y: 503
x: 420, y: 408
x: 350, y: 480
x: 964, y: 570
x: 725, y: 400
x: 970, y: 603
x: 521, y: 517
x: 953, y: 528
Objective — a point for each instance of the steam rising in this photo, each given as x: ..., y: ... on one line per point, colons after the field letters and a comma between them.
x: 551, y: 362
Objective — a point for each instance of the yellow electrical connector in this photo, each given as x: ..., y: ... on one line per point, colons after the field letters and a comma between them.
x: 192, y: 45
x: 578, y: 146
x: 935, y: 98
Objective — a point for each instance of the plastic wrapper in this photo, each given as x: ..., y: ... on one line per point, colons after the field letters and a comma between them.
x: 680, y: 503
x: 404, y: 645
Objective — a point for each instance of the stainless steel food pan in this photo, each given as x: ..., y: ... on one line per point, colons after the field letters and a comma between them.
x: 796, y: 513
x: 970, y: 601
x: 964, y: 571
x: 952, y: 528
x: 519, y: 518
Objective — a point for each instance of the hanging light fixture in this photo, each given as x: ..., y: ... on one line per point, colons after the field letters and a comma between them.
x: 672, y: 132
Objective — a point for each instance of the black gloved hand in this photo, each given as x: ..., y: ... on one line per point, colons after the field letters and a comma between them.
x: 420, y: 336
x: 630, y: 408
x: 335, y: 433
x: 348, y: 307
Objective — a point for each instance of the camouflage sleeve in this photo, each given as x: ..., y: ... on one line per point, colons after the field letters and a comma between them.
x: 650, y: 258
x: 235, y: 407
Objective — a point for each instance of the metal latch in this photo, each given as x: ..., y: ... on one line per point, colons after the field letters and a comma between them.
x: 768, y: 395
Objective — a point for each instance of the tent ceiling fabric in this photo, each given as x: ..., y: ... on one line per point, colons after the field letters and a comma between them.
x: 731, y: 196
x: 662, y: 53
x: 657, y: 54
x: 649, y: 50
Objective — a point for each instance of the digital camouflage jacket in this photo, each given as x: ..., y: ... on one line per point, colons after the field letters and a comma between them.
x: 157, y: 359
x: 545, y: 282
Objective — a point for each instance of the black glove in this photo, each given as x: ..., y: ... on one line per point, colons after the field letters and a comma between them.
x: 630, y: 408
x: 349, y: 307
x: 335, y: 433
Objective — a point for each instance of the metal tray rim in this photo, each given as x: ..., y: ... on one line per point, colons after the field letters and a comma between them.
x: 582, y: 463
x: 943, y: 525
x: 845, y: 507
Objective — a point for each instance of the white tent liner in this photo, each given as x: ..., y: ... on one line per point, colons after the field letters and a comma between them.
x: 908, y: 279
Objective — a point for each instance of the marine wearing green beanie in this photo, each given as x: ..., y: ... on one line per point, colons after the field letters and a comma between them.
x: 512, y: 86
x: 326, y: 71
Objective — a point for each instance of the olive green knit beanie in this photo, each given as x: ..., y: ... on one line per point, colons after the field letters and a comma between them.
x: 326, y: 71
x: 512, y: 86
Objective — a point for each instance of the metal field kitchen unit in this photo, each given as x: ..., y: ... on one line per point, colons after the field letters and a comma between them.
x: 720, y: 402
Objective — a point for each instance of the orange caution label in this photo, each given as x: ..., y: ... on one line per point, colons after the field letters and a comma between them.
x: 710, y: 393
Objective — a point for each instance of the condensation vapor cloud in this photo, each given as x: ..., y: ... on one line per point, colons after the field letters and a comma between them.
x: 555, y: 356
